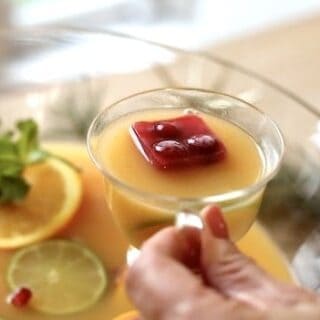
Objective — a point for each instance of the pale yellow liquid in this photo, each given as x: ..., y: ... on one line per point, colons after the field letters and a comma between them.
x: 140, y: 216
x: 93, y: 225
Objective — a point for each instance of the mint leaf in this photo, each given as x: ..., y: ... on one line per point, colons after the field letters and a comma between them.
x: 18, y: 149
x: 36, y: 156
x: 28, y: 139
x: 14, y: 187
x: 7, y: 149
x: 10, y: 168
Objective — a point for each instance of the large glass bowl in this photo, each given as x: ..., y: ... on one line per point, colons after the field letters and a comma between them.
x: 63, y: 76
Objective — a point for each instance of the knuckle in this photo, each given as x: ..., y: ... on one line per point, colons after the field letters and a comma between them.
x: 235, y: 266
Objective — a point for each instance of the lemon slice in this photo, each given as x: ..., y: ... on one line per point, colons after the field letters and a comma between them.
x: 51, y: 202
x: 131, y: 315
x: 64, y: 276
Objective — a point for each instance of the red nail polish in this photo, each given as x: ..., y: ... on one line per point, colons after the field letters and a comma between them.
x: 217, y: 223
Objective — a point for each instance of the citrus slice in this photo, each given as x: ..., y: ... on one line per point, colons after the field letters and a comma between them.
x: 131, y: 315
x: 63, y: 276
x: 51, y: 202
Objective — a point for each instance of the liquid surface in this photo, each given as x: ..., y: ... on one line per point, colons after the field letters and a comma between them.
x: 120, y: 157
x: 94, y: 227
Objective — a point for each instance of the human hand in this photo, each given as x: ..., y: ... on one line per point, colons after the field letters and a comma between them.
x: 191, y: 274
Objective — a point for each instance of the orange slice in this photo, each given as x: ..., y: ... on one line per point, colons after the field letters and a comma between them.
x: 131, y: 315
x: 52, y: 201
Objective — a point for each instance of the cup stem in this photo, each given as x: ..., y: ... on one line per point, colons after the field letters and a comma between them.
x: 182, y: 219
x: 132, y: 255
x: 189, y: 219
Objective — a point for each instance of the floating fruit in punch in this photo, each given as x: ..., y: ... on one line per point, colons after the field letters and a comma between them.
x: 49, y: 205
x: 39, y: 192
x: 63, y: 276
x: 178, y: 142
x: 165, y: 129
x: 20, y: 297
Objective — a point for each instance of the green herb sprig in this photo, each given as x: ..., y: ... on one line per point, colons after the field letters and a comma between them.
x: 18, y: 149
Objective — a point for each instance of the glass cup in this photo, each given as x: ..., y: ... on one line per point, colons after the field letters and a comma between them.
x: 138, y: 213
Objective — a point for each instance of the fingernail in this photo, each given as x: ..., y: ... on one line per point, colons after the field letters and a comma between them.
x: 214, y: 219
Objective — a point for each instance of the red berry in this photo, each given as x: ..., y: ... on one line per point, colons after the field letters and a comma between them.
x: 20, y: 297
x: 170, y: 148
x: 166, y: 130
x: 202, y: 143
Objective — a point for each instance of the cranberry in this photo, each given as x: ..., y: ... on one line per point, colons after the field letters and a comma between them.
x: 178, y: 142
x: 170, y: 148
x: 202, y: 143
x: 166, y: 129
x: 20, y: 297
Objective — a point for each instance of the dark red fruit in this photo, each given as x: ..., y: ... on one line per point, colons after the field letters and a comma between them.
x: 171, y: 148
x: 166, y: 129
x: 20, y: 297
x: 178, y: 142
x: 202, y: 143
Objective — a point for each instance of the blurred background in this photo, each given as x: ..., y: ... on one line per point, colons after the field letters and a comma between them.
x: 189, y: 24
x: 279, y: 39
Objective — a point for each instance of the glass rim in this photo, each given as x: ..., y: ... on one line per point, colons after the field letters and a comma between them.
x: 216, y: 198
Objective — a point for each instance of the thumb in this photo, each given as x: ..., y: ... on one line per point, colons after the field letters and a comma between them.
x: 237, y: 276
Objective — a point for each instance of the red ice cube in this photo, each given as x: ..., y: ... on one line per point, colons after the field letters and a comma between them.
x: 178, y: 142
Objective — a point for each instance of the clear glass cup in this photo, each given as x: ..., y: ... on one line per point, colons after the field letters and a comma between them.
x: 138, y: 213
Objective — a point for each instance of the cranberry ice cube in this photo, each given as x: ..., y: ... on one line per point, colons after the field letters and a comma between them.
x: 178, y: 142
